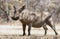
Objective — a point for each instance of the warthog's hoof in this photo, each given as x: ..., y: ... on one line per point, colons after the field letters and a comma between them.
x: 24, y: 34
x: 56, y: 33
x: 29, y: 34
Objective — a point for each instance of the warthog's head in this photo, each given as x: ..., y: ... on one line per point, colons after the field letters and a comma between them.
x: 17, y: 12
x: 15, y: 18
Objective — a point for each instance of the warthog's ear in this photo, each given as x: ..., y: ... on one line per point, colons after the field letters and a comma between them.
x: 14, y: 9
x: 21, y: 9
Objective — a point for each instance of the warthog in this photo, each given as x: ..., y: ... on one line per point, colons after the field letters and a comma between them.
x: 32, y: 20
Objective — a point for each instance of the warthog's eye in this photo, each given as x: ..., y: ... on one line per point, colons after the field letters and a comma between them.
x: 15, y: 18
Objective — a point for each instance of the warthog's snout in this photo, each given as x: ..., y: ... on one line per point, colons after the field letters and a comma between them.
x: 15, y: 18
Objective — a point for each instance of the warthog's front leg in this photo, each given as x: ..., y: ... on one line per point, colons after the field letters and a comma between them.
x: 24, y: 28
x: 29, y: 29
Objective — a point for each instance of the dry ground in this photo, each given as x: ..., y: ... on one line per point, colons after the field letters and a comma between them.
x: 14, y: 31
x: 29, y: 37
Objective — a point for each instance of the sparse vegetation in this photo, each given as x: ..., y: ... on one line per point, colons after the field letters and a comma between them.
x: 50, y: 6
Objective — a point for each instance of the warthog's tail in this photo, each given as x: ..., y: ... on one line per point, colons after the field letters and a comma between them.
x: 48, y: 17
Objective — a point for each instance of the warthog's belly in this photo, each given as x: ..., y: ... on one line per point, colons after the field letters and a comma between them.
x: 38, y: 25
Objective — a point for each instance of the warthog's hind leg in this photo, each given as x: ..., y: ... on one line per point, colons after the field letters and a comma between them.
x: 45, y: 28
x: 53, y: 27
